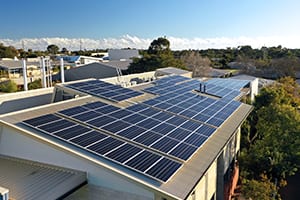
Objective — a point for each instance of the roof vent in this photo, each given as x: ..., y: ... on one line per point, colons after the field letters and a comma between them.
x: 202, y: 89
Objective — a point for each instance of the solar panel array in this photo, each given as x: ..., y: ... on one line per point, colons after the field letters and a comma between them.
x: 157, y: 130
x: 233, y: 84
x: 154, y: 137
x: 193, y: 106
x: 102, y: 144
x: 224, y: 88
x: 105, y: 90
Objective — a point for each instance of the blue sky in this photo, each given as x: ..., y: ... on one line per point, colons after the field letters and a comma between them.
x: 149, y: 19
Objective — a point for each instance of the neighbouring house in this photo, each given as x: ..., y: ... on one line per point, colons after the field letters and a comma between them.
x: 96, y: 70
x: 75, y: 61
x: 173, y: 70
x: 123, y: 54
x: 13, y: 70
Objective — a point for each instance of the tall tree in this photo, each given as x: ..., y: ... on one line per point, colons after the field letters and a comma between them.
x: 52, y: 48
x: 196, y: 63
x: 159, y: 45
x: 7, y: 52
x: 273, y: 146
x: 64, y: 50
x: 158, y: 55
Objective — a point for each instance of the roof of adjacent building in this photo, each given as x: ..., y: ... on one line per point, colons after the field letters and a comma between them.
x: 172, y: 70
x: 11, y: 102
x: 15, y: 64
x: 92, y: 192
x: 122, y: 54
x: 244, y: 77
x: 32, y: 180
x: 182, y: 182
x: 123, y: 65
x: 93, y: 70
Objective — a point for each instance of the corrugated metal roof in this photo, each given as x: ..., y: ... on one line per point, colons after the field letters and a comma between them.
x: 188, y: 176
x: 16, y: 64
x: 32, y: 180
x: 123, y: 65
x: 92, y: 192
x: 183, y: 182
x: 172, y: 70
x: 92, y: 70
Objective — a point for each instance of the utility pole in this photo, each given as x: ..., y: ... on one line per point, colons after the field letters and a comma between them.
x: 80, y: 44
x: 23, y: 45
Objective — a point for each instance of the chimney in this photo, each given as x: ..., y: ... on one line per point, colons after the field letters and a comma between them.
x: 62, y: 72
x: 25, y: 74
x: 200, y: 87
x: 204, y: 89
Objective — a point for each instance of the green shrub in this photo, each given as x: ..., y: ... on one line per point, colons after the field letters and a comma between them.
x: 9, y: 86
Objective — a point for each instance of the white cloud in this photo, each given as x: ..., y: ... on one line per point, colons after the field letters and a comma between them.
x: 143, y: 43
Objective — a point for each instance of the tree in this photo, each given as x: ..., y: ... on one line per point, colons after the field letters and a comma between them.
x: 196, y: 63
x: 159, y: 45
x: 35, y: 84
x: 262, y: 189
x: 9, y: 86
x: 7, y: 52
x: 53, y: 49
x: 270, y: 138
x: 157, y: 56
x: 64, y: 50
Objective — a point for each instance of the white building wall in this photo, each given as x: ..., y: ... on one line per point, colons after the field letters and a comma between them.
x: 206, y: 187
x: 229, y: 152
x: 238, y: 140
x: 15, y: 144
x: 126, y: 78
x: 212, y: 180
x: 88, y: 61
x: 119, y: 54
x: 253, y: 89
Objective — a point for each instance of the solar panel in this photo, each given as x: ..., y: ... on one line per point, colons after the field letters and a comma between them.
x: 105, y: 90
x: 169, y: 85
x: 131, y: 132
x: 42, y: 120
x: 146, y: 136
x: 183, y: 151
x: 194, y: 107
x: 224, y: 88
x: 103, y: 145
x: 140, y: 123
x: 163, y: 169
x: 230, y: 83
x: 86, y: 116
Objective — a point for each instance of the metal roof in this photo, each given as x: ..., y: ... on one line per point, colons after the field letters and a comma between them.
x: 183, y: 182
x: 92, y: 70
x: 123, y: 65
x: 16, y: 64
x: 32, y: 180
x: 172, y: 70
